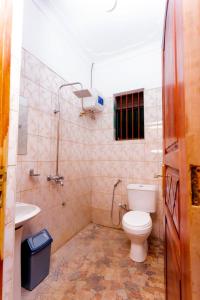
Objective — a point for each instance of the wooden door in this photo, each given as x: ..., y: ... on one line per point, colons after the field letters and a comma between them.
x: 177, y: 271
x: 5, y: 53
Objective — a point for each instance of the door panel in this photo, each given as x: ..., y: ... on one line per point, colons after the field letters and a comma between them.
x: 169, y: 79
x: 175, y: 171
x: 173, y: 289
x: 172, y: 196
x: 171, y: 153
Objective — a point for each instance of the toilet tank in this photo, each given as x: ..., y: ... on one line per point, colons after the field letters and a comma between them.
x: 142, y: 197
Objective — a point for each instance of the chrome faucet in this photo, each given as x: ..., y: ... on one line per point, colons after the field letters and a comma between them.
x: 57, y: 179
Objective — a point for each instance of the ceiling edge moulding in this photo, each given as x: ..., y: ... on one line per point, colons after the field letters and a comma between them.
x: 104, y: 56
x: 147, y: 48
x: 45, y: 8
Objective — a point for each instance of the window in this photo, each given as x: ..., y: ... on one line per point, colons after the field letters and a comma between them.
x: 129, y: 115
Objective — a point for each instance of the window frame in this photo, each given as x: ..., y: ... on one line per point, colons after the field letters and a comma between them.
x: 120, y: 136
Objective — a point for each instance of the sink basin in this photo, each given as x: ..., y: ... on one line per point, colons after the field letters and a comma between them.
x: 25, y: 212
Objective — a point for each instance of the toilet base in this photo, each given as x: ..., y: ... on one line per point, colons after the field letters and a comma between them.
x: 138, y: 252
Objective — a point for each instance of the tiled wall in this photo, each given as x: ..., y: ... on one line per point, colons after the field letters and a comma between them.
x: 131, y: 161
x: 65, y: 209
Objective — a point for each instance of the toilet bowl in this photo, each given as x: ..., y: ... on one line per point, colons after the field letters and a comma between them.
x: 137, y: 225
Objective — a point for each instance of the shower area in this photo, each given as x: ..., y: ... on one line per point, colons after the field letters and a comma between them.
x: 54, y: 166
x: 57, y: 149
x: 94, y: 101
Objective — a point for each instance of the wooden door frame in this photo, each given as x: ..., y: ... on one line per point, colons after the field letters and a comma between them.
x: 183, y: 167
x: 5, y: 62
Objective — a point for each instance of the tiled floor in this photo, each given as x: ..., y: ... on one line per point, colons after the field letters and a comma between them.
x: 95, y: 265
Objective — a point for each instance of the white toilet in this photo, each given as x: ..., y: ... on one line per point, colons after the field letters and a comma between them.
x: 137, y: 222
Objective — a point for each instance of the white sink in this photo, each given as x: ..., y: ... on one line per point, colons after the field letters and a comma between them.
x: 25, y: 212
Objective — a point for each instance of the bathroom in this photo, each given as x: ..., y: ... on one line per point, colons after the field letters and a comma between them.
x: 83, y: 169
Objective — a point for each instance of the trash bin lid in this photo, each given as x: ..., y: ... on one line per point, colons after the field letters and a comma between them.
x: 39, y: 241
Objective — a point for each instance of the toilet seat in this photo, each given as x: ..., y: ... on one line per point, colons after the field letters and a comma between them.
x: 137, y: 225
x: 137, y: 220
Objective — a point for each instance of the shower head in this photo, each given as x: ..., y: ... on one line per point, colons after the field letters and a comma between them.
x: 82, y: 93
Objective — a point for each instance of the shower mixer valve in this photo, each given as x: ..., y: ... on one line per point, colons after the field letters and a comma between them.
x: 57, y: 179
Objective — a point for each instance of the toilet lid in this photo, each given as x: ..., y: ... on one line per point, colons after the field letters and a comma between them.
x: 137, y: 219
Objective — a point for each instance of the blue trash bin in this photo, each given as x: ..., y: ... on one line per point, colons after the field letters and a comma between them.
x: 35, y: 259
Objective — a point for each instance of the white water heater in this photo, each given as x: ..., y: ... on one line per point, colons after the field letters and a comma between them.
x: 92, y: 100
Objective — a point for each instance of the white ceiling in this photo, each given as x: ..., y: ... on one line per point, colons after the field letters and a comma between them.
x: 102, y: 35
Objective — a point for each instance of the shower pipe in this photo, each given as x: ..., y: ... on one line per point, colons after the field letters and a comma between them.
x: 120, y: 206
x: 112, y: 206
x: 58, y: 178
x: 91, y: 75
x: 58, y: 126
